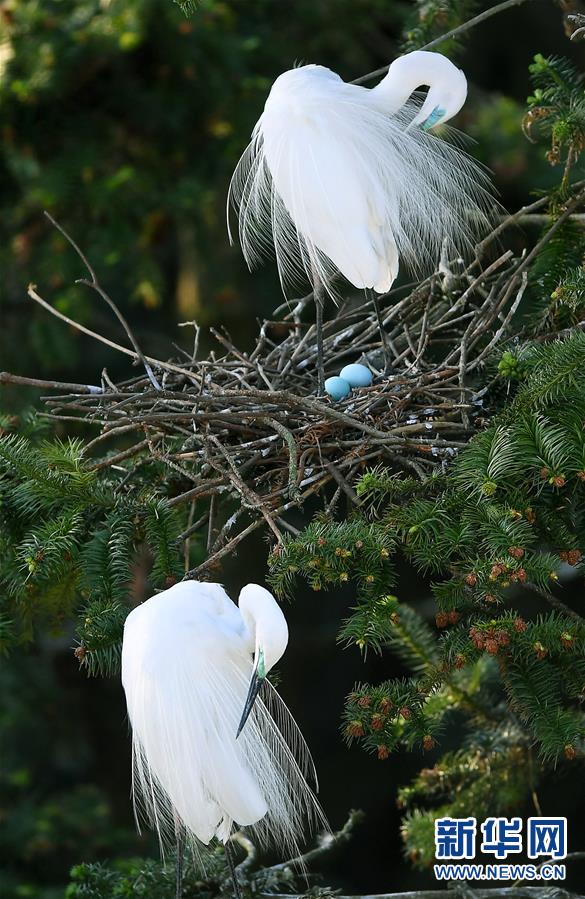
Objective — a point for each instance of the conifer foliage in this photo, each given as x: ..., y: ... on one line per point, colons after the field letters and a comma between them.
x: 70, y: 540
x: 504, y: 519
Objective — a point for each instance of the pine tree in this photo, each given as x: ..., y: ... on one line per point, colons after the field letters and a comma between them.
x: 70, y: 539
x: 503, y: 519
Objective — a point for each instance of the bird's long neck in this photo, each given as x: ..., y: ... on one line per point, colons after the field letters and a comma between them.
x: 406, y: 74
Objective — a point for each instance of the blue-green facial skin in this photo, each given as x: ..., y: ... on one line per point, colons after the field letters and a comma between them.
x: 434, y: 118
x: 260, y: 667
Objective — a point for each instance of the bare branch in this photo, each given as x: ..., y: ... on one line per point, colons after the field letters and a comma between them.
x: 95, y: 285
x: 8, y: 378
x: 455, y: 32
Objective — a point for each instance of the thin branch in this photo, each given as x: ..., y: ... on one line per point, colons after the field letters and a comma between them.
x: 288, y: 438
x: 8, y: 378
x: 125, y: 454
x: 326, y: 843
x: 461, y: 29
x: 214, y: 559
x: 95, y: 285
x: 345, y: 487
x: 554, y: 601
x: 502, y: 329
x: 246, y: 493
x: 193, y: 528
x: 167, y: 366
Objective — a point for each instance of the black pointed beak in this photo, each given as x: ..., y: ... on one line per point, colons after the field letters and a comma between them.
x: 253, y: 691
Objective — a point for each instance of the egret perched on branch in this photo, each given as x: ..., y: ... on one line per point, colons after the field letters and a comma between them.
x: 342, y: 179
x: 208, y: 753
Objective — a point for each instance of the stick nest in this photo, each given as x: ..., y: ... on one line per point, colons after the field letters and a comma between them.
x: 249, y: 426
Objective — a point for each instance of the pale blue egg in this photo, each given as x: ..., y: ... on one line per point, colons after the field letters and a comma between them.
x: 356, y: 375
x: 337, y: 388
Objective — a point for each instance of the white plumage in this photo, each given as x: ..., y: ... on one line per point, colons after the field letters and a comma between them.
x: 344, y: 179
x: 188, y: 657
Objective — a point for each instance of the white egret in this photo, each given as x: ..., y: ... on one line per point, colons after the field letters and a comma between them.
x: 342, y: 179
x: 208, y: 754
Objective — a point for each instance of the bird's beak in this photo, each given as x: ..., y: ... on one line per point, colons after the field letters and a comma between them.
x: 434, y: 118
x: 257, y: 679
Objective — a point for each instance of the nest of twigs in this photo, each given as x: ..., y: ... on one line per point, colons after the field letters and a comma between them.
x: 250, y: 423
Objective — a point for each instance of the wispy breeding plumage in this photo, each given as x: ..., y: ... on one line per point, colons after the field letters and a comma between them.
x: 344, y: 179
x: 192, y: 667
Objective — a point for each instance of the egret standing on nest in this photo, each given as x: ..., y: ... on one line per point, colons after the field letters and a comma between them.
x: 342, y: 179
x: 208, y: 754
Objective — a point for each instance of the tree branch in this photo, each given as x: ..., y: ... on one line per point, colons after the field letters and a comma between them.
x: 7, y: 378
x: 95, y: 285
x: 461, y: 29
x: 167, y: 366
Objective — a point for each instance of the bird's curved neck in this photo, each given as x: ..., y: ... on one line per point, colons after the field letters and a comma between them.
x: 404, y: 77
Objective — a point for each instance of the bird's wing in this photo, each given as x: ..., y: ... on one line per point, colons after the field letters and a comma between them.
x: 323, y: 186
x: 184, y: 672
x: 302, y: 188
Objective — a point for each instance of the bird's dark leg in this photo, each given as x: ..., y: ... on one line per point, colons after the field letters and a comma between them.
x: 319, y: 294
x: 232, y: 866
x: 383, y: 336
x: 180, y: 833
